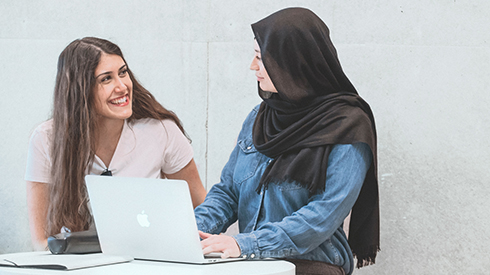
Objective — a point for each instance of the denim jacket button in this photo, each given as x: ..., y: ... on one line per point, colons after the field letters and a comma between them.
x: 252, y: 255
x: 249, y: 147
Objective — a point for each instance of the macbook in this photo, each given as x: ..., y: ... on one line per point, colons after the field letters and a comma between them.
x: 147, y: 219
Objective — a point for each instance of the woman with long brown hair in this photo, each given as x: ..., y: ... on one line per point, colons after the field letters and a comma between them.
x: 104, y: 122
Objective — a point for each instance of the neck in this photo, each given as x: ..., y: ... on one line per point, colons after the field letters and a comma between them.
x: 107, y: 135
x: 109, y: 129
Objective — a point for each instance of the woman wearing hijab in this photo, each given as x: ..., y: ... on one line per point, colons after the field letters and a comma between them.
x: 305, y: 157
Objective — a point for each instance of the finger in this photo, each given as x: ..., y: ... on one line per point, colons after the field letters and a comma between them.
x: 205, y: 243
x: 204, y: 235
x: 225, y: 255
x: 210, y: 240
x: 210, y: 249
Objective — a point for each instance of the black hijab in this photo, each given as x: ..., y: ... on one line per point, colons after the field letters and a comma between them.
x: 315, y: 108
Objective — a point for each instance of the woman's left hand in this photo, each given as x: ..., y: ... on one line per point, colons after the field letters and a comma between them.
x: 219, y: 243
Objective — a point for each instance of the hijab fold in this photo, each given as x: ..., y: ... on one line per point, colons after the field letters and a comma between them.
x: 316, y: 107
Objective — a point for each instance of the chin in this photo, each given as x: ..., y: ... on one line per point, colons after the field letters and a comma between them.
x: 268, y: 89
x: 123, y: 115
x: 128, y: 115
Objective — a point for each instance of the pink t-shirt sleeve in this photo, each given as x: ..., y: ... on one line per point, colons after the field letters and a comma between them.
x: 38, y: 166
x: 178, y: 150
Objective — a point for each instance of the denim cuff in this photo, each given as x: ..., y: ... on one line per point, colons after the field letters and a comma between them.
x: 248, y: 245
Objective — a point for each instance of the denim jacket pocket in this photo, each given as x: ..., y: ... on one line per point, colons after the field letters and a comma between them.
x: 289, y: 186
x: 296, y: 195
x: 247, y: 161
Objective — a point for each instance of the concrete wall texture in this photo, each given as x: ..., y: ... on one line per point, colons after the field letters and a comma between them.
x: 422, y: 65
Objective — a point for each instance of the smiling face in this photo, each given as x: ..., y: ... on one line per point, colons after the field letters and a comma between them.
x: 113, y: 90
x: 260, y: 72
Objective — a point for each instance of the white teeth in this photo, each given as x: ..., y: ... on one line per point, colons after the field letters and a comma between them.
x: 120, y: 101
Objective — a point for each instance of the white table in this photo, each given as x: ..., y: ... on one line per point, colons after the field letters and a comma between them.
x: 272, y: 267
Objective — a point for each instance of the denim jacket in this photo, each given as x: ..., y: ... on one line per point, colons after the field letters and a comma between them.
x: 284, y: 221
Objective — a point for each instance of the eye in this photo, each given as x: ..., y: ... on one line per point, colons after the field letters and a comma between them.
x: 105, y: 78
x: 123, y: 72
x: 258, y: 58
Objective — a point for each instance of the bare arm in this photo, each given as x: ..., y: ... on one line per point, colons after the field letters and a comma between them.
x: 190, y: 174
x: 37, y: 205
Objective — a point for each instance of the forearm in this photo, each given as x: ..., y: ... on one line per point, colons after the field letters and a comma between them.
x: 37, y: 204
x: 297, y: 234
x: 219, y: 209
x: 39, y: 244
x: 217, y: 212
x: 190, y: 174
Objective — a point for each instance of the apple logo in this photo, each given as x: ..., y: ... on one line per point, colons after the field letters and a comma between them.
x: 143, y: 219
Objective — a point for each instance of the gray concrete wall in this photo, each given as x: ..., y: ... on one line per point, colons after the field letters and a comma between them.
x: 422, y: 65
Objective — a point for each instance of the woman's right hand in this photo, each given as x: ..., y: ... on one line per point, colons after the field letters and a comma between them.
x: 219, y: 243
x: 37, y: 206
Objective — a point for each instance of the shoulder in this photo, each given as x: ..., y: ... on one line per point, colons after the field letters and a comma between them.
x: 45, y: 127
x: 250, y: 120
x: 253, y: 113
x: 43, y: 131
x: 358, y: 152
x: 255, y: 110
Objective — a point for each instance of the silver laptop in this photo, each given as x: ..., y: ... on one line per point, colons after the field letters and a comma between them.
x: 147, y: 219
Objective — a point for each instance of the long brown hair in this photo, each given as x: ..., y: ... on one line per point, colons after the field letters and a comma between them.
x: 74, y: 124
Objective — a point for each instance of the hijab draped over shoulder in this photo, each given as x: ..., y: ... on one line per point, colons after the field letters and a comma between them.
x: 315, y: 108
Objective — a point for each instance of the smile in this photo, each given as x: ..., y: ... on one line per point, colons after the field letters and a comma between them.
x: 121, y: 101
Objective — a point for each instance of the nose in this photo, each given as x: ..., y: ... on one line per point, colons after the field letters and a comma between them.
x: 120, y: 85
x: 254, y: 66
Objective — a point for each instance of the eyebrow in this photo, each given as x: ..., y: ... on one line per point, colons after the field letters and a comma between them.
x: 104, y: 73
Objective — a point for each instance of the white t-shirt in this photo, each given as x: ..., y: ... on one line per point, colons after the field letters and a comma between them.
x: 146, y: 149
